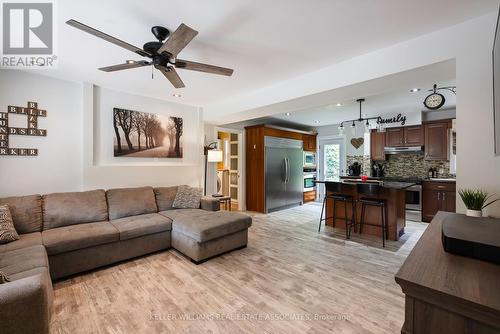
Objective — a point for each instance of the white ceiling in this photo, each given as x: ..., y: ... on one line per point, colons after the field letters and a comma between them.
x: 264, y: 41
x: 390, y: 94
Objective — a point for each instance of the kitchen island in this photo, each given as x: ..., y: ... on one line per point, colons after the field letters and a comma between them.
x: 393, y: 192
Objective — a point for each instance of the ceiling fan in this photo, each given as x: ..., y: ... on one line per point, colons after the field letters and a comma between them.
x: 163, y: 54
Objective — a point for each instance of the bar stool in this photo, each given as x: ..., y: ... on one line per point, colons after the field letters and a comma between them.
x: 369, y: 196
x: 333, y: 191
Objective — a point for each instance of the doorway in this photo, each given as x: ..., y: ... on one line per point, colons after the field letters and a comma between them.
x: 331, y: 164
x: 229, y: 170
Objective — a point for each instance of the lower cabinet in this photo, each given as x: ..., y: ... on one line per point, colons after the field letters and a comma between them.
x: 309, y: 196
x: 437, y: 196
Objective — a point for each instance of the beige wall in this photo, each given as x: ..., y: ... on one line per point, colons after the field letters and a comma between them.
x: 58, y: 166
x: 477, y: 165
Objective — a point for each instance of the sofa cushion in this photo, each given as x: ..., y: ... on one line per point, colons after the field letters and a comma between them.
x: 130, y: 202
x: 23, y: 259
x: 26, y: 212
x: 137, y: 226
x: 203, y: 225
x: 165, y: 197
x: 187, y: 198
x: 63, y: 209
x: 178, y: 213
x: 7, y: 231
x: 73, y: 237
x: 28, y: 273
x: 25, y: 240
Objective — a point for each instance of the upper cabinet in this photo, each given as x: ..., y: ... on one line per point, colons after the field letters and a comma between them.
x: 433, y: 136
x: 436, y: 140
x: 404, y: 136
x: 309, y: 142
x: 413, y: 135
x: 377, y: 144
x: 394, y: 137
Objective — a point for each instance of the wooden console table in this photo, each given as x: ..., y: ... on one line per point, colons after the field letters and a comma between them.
x: 447, y: 293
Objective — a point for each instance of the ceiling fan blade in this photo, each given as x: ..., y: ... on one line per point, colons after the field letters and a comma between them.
x: 194, y: 66
x: 107, y: 37
x: 171, y: 74
x: 125, y: 66
x: 178, y: 40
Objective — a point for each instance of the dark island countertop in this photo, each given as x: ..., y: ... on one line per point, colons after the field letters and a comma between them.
x: 385, y: 184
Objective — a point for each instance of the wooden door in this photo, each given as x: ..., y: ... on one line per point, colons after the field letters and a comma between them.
x: 431, y: 204
x: 413, y: 136
x: 436, y: 141
x: 394, y: 137
x: 377, y: 145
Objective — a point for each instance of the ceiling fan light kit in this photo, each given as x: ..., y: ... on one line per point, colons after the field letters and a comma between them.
x: 163, y: 54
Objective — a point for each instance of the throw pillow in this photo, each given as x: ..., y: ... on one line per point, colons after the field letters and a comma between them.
x: 187, y: 198
x: 7, y: 231
x: 3, y: 278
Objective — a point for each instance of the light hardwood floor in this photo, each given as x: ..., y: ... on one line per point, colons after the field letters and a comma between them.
x: 288, y: 271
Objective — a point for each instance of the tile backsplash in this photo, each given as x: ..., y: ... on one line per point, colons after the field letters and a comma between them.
x: 414, y: 165
x: 363, y: 160
x: 403, y: 165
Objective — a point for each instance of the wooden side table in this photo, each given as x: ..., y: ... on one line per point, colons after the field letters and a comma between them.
x: 447, y: 293
x: 226, y: 200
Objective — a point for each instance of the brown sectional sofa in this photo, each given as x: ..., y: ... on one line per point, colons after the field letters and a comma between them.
x: 67, y: 233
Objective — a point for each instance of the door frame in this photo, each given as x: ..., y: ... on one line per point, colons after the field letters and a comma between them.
x: 241, y: 164
x: 343, y: 157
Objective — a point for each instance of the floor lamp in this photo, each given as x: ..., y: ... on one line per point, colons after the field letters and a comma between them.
x: 212, y: 154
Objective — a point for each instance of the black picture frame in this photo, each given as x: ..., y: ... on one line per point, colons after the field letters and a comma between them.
x: 496, y: 87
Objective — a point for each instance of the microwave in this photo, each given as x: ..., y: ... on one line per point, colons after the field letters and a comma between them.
x: 309, y: 159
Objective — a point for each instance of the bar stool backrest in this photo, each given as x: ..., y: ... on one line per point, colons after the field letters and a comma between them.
x: 334, y: 187
x: 368, y: 189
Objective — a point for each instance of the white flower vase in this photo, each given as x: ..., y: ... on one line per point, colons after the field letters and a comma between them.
x: 474, y: 213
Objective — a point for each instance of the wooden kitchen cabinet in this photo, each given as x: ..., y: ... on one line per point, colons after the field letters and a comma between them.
x: 309, y: 142
x: 404, y: 136
x: 377, y: 144
x: 309, y: 196
x: 413, y: 136
x: 437, y: 196
x: 436, y: 141
x: 394, y: 137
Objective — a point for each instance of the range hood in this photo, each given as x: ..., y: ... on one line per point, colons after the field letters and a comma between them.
x: 403, y: 149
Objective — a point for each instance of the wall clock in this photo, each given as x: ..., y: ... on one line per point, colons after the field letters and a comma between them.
x: 434, y: 100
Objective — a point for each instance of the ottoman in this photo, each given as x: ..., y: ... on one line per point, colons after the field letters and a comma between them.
x: 201, y: 235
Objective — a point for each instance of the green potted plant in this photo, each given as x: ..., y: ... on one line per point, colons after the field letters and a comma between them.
x: 475, y: 201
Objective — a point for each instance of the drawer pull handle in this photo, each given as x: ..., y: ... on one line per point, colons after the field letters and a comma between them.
x: 440, y: 187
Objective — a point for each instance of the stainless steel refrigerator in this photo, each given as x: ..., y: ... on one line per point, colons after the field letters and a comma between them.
x: 284, y: 173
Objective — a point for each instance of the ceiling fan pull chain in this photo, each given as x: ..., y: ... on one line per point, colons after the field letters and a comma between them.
x: 152, y: 73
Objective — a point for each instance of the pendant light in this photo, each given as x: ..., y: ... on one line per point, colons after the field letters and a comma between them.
x: 341, y: 129
x: 366, y: 121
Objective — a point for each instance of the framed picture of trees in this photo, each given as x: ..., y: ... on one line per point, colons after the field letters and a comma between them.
x: 146, y: 135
